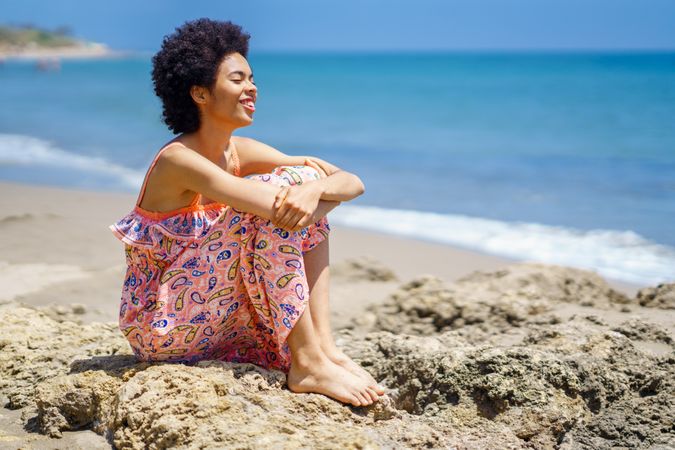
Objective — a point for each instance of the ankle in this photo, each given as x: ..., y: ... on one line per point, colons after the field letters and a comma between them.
x: 329, y: 348
x: 308, y: 358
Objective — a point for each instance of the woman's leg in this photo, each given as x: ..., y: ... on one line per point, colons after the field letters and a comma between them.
x: 275, y: 279
x: 312, y: 371
x: 318, y: 277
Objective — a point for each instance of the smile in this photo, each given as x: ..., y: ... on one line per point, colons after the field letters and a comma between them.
x: 248, y: 103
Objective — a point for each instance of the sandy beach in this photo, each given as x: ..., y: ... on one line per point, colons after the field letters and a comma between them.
x: 57, y: 256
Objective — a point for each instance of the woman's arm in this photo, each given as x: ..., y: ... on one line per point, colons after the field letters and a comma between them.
x: 257, y: 157
x: 341, y: 186
x: 191, y: 171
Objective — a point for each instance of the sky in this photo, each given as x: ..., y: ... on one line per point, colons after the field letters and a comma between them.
x: 369, y: 25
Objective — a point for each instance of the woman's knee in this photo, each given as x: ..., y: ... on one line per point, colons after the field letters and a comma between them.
x: 288, y: 175
x: 295, y: 175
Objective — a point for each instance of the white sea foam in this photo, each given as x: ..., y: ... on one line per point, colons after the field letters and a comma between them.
x: 30, y: 151
x: 622, y: 255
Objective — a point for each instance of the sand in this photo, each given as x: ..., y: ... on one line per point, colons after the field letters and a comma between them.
x: 57, y: 253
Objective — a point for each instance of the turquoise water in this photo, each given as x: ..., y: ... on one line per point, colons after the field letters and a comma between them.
x: 566, y: 158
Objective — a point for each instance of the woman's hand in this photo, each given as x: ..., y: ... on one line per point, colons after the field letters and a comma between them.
x: 311, y: 162
x: 296, y: 206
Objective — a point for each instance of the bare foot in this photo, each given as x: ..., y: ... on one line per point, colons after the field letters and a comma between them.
x: 338, y: 357
x: 326, y: 377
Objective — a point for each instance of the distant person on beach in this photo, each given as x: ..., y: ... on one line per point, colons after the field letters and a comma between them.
x: 227, y: 246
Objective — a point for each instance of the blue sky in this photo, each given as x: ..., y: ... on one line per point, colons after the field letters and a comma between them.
x: 370, y: 25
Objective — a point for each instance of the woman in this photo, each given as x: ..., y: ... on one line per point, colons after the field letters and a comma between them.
x: 226, y: 248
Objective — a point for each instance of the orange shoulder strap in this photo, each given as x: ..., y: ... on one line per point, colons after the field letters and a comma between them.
x: 147, y: 175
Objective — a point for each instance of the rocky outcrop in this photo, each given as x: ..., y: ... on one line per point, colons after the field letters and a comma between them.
x: 661, y: 296
x: 482, y: 304
x: 487, y: 362
x: 35, y: 347
x: 364, y: 268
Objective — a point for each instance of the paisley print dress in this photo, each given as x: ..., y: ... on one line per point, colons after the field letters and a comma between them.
x: 212, y: 282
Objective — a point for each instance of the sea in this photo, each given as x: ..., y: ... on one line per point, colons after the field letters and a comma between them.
x: 564, y: 158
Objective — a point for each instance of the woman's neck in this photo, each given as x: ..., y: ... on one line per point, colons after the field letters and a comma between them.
x: 210, y: 141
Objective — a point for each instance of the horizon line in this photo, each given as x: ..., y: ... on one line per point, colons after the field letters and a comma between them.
x: 449, y: 51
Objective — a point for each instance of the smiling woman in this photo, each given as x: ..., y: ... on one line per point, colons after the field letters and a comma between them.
x: 227, y: 245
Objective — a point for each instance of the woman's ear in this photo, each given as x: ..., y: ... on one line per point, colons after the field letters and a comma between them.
x: 198, y: 94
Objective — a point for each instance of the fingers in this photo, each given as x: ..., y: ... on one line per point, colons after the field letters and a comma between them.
x: 284, y: 217
x: 288, y: 214
x: 322, y: 173
x: 290, y: 218
x: 310, y: 163
x: 296, y: 222
x: 317, y: 166
x: 280, y: 209
x: 300, y: 224
x: 280, y: 197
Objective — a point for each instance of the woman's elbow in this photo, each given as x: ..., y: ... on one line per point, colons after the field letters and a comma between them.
x: 359, y: 186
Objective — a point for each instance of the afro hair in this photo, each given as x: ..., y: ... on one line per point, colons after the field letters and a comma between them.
x: 191, y: 57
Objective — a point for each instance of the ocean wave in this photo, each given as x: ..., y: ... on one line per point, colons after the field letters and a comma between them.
x: 31, y: 151
x: 621, y: 255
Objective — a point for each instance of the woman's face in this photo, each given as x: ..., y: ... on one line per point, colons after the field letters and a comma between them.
x: 233, y: 96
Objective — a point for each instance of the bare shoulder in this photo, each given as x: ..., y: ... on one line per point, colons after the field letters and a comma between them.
x: 174, y: 150
x: 164, y: 189
x: 177, y: 161
x: 176, y: 155
x: 241, y: 141
x: 246, y: 145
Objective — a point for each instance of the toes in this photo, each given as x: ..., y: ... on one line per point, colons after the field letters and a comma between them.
x: 377, y: 388
x: 366, y: 395
x: 372, y: 384
x: 355, y: 401
x: 362, y: 399
x: 373, y: 394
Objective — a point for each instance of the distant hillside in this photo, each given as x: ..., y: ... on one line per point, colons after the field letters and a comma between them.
x: 28, y: 36
x: 28, y: 41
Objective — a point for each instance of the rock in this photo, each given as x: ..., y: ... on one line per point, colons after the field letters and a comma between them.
x: 488, y: 303
x: 643, y: 419
x: 556, y: 386
x: 64, y: 313
x: 535, y: 281
x: 364, y: 268
x: 637, y: 329
x: 661, y: 296
x: 35, y: 347
x: 480, y: 364
x: 76, y: 401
